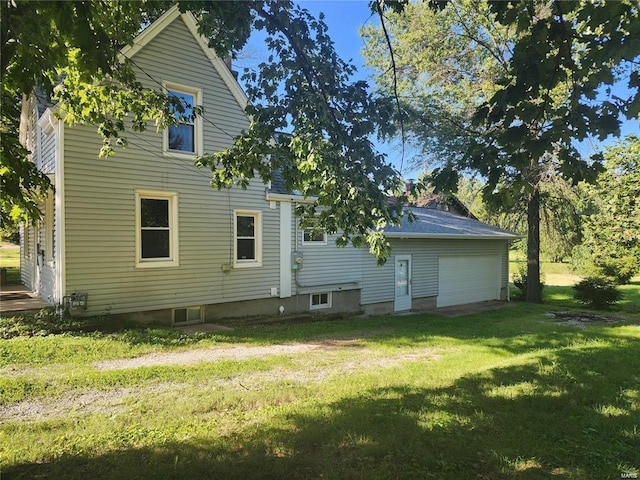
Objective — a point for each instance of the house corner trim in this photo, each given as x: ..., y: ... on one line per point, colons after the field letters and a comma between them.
x: 285, y: 249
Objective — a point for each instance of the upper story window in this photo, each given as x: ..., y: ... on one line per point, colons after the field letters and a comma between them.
x: 186, y: 136
x: 156, y: 229
x: 248, y: 239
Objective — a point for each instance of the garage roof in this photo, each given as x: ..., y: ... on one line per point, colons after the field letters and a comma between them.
x: 432, y: 223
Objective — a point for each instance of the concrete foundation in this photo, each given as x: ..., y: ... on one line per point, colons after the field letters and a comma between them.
x: 347, y: 302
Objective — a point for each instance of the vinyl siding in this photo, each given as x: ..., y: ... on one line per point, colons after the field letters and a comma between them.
x: 42, y: 148
x: 28, y: 125
x: 47, y: 157
x: 378, y: 282
x: 325, y: 265
x: 100, y: 202
x: 27, y: 255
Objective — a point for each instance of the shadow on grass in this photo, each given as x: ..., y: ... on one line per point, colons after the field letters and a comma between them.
x: 572, y: 414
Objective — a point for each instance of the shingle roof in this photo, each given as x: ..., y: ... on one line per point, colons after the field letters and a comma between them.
x: 429, y: 222
x: 432, y: 223
x: 277, y: 182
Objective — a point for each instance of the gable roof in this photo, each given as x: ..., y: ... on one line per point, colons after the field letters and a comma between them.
x: 447, y: 202
x: 149, y: 33
x: 429, y: 223
x: 432, y: 223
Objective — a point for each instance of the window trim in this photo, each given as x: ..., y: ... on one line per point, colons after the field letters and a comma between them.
x: 197, y: 123
x: 314, y: 242
x: 320, y: 306
x: 173, y: 259
x: 257, y: 262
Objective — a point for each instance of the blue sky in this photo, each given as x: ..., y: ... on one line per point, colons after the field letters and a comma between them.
x: 344, y: 18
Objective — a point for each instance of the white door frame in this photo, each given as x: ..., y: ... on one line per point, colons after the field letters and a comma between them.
x: 402, y: 302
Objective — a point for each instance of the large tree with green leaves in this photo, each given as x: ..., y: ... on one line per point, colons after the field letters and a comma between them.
x: 612, y: 222
x: 505, y: 89
x: 71, y: 52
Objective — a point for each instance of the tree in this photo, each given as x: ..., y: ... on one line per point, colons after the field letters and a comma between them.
x: 612, y: 230
x: 507, y: 88
x: 561, y: 208
x: 71, y: 51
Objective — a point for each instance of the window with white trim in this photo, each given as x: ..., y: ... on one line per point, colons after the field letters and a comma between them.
x: 319, y: 300
x: 247, y: 238
x: 186, y: 136
x: 314, y: 236
x: 156, y: 229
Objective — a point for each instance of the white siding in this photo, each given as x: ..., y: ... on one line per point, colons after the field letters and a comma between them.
x: 100, y: 202
x: 27, y: 255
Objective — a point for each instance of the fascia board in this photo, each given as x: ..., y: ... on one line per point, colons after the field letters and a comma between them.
x: 283, y: 197
x: 189, y: 20
x: 447, y: 236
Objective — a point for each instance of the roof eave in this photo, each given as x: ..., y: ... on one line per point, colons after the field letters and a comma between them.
x: 285, y: 197
x: 449, y: 236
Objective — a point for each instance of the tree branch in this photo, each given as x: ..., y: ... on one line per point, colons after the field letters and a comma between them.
x: 395, y: 78
x: 309, y: 72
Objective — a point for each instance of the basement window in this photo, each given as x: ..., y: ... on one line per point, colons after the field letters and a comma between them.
x: 320, y: 300
x: 187, y: 315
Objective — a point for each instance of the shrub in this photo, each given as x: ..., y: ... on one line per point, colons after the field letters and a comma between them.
x: 520, y: 281
x: 597, y: 292
x: 621, y: 269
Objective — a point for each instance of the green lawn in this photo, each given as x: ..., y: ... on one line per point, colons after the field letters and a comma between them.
x: 10, y: 259
x: 506, y: 394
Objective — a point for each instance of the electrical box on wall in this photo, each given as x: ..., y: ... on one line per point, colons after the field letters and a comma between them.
x: 296, y: 260
x: 75, y: 303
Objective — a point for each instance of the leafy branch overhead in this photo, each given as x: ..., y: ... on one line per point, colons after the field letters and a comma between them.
x: 303, y: 89
x: 505, y: 89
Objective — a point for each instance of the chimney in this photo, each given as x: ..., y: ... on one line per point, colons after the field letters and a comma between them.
x: 408, y: 186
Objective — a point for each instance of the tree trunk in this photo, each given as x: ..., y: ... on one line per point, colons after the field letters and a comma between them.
x: 534, y: 289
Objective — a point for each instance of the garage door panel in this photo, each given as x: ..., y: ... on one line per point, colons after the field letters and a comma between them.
x: 468, y: 279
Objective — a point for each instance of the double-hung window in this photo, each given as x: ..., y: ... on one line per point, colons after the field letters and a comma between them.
x: 247, y: 239
x: 184, y: 138
x: 156, y: 229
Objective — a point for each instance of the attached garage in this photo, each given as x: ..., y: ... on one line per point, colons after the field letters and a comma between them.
x: 450, y: 260
x: 468, y: 279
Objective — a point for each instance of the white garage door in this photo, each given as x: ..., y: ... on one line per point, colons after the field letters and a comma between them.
x: 468, y: 279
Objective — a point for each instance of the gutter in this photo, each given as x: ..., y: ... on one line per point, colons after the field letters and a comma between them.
x: 449, y: 236
x: 285, y: 197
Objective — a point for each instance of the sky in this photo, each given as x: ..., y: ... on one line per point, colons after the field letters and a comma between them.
x: 344, y: 18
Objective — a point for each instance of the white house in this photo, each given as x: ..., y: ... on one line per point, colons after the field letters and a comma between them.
x: 143, y: 233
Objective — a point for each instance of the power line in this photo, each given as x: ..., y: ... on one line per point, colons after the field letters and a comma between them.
x: 169, y: 92
x: 175, y: 160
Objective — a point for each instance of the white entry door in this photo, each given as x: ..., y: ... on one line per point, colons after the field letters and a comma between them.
x: 403, y: 283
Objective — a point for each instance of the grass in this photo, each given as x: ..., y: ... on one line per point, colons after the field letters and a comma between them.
x: 10, y: 259
x: 558, y: 279
x: 505, y: 394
